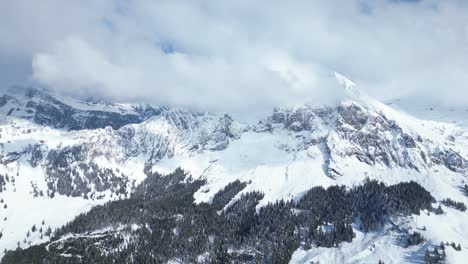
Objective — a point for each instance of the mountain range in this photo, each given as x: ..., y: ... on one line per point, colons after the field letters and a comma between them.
x: 61, y: 157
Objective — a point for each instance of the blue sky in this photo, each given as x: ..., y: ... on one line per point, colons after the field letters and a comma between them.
x: 237, y: 55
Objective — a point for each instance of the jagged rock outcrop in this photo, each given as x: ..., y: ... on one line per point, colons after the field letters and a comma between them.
x: 350, y: 131
x: 44, y: 109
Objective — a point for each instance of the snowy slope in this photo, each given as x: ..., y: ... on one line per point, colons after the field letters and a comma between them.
x: 21, y: 208
x: 62, y: 170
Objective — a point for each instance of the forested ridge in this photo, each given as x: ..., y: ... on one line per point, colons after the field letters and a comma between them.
x: 161, y: 222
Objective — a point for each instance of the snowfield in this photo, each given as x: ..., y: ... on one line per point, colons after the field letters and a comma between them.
x: 281, y: 159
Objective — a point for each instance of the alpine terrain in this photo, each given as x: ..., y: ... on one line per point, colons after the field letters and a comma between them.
x: 362, y: 181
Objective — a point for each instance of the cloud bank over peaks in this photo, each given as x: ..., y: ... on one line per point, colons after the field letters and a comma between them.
x: 154, y: 76
x: 239, y: 56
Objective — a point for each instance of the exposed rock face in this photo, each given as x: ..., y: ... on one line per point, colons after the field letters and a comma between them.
x: 224, y: 131
x: 376, y: 139
x: 44, y: 109
x: 353, y: 130
x: 350, y: 131
x: 451, y: 159
x: 353, y: 116
x: 77, y: 170
x: 300, y: 119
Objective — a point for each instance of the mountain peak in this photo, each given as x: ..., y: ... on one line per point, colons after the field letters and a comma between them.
x: 344, y: 81
x: 350, y: 88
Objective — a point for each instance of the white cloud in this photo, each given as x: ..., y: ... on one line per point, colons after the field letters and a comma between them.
x: 243, y: 56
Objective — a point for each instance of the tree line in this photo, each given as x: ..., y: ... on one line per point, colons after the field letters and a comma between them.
x: 160, y: 222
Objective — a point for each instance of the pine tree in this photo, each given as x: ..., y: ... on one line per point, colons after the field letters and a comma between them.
x: 427, y: 256
x: 48, y: 231
x: 220, y: 254
x: 442, y: 246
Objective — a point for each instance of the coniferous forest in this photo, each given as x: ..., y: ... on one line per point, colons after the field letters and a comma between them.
x: 161, y: 222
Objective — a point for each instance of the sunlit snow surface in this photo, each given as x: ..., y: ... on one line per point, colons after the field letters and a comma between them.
x: 271, y: 162
x: 282, y: 174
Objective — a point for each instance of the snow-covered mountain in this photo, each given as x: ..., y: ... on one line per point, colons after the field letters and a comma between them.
x: 60, y: 156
